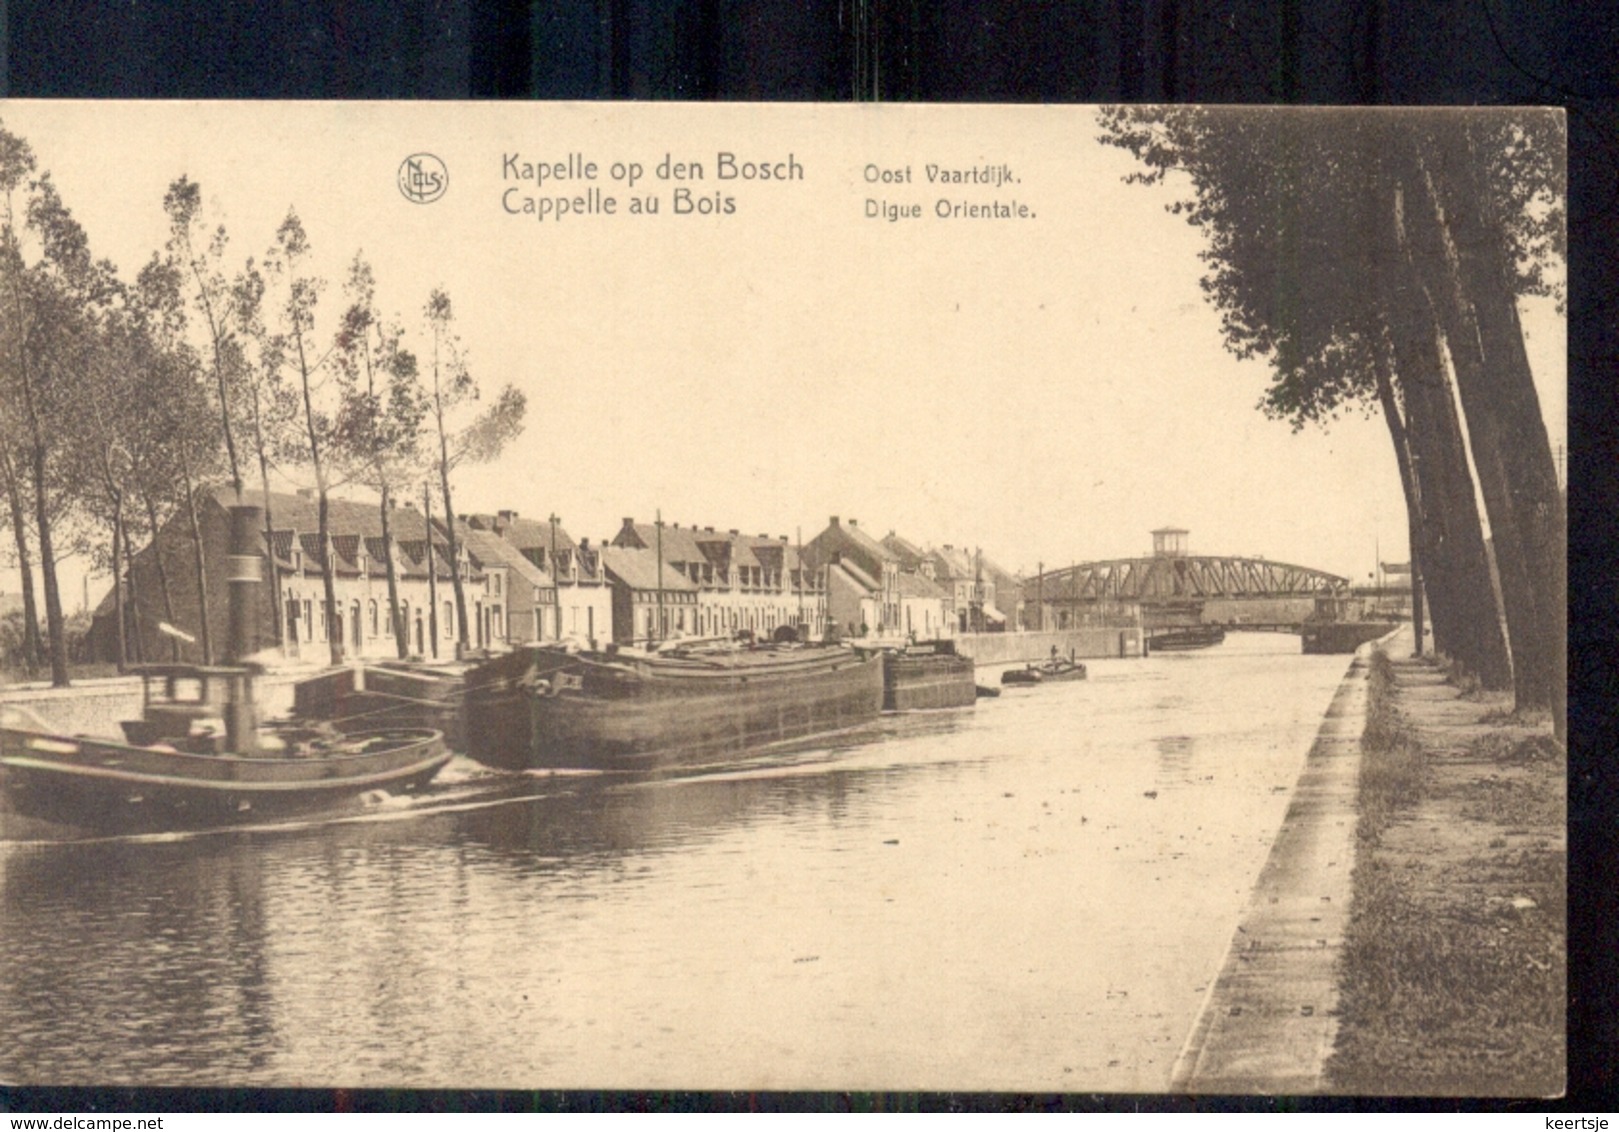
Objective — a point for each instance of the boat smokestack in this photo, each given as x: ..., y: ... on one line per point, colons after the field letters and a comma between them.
x: 243, y: 575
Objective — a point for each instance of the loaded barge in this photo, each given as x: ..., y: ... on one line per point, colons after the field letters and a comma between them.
x: 546, y: 707
x: 927, y: 676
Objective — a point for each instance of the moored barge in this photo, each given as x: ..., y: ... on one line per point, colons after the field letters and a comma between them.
x: 545, y: 707
x: 927, y: 676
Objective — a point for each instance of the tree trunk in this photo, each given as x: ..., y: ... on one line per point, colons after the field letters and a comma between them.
x: 33, y: 649
x: 328, y: 580
x: 55, y: 627
x: 1464, y: 253
x: 1462, y: 597
x: 138, y: 646
x: 269, y: 554
x: 461, y: 634
x: 334, y: 637
x: 396, y: 616
x: 162, y: 572
x: 1408, y: 482
x: 199, y: 561
x: 432, y: 567
x: 118, y: 585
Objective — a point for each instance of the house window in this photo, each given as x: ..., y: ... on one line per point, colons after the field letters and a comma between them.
x: 449, y: 619
x: 494, y: 580
x: 309, y: 620
x: 376, y: 626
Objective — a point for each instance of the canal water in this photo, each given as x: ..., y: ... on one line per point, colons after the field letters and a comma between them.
x: 1033, y: 894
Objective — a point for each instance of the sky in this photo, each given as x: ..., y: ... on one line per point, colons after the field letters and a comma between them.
x: 1048, y: 387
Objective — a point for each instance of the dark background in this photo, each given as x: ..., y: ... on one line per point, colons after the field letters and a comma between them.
x: 1369, y: 52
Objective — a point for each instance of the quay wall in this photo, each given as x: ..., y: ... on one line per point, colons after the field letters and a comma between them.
x: 96, y: 707
x: 1015, y: 648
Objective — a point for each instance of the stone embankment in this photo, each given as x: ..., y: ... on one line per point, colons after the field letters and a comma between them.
x: 1083, y: 644
x: 1270, y: 1018
x: 1408, y: 933
x: 96, y: 707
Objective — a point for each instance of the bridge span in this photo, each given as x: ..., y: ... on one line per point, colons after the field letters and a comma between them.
x: 1175, y: 589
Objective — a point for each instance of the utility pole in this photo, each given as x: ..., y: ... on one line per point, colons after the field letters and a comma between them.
x: 658, y: 524
x: 556, y: 576
x: 1040, y: 588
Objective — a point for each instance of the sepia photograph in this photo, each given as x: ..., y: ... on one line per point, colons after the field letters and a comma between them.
x: 1033, y: 599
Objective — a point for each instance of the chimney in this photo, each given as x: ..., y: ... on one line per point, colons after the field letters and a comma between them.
x: 833, y: 521
x: 507, y: 516
x: 854, y: 522
x: 709, y: 530
x: 764, y: 536
x: 734, y: 531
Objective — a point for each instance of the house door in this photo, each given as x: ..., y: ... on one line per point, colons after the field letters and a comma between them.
x: 358, y: 633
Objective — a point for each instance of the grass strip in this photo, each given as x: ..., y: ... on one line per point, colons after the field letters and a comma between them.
x: 1453, y: 973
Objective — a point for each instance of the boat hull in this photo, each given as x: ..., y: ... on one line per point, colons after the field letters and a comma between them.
x: 1342, y: 636
x: 380, y: 695
x: 921, y: 683
x: 1184, y: 640
x: 551, y: 710
x: 98, y: 784
x: 1052, y: 672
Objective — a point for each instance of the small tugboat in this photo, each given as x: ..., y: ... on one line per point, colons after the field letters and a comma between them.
x: 198, y: 756
x: 1047, y: 672
x: 181, y: 766
x: 545, y: 706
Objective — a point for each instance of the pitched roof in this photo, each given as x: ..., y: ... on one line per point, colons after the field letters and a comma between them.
x: 489, y: 549
x: 908, y: 553
x: 865, y: 580
x: 638, y: 569
x: 952, y: 562
x: 915, y: 585
x: 525, y: 534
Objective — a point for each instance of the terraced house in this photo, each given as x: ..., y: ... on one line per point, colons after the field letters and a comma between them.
x: 162, y: 587
x: 573, y: 599
x: 742, y: 582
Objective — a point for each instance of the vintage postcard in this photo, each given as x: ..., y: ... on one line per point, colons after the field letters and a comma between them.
x: 1037, y: 599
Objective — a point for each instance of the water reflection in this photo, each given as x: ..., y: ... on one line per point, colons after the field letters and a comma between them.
x: 1029, y: 894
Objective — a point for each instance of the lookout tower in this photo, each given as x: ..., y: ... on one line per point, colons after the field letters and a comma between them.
x: 1169, y: 542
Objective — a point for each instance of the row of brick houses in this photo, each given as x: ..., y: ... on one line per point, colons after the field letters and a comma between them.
x: 529, y: 580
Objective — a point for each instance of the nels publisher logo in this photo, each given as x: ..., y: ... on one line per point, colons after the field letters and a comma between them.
x: 423, y: 178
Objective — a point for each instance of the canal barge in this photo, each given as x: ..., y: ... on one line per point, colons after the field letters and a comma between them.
x: 196, y: 757
x: 1184, y: 640
x: 1325, y: 637
x: 551, y: 707
x: 926, y: 675
x: 386, y: 694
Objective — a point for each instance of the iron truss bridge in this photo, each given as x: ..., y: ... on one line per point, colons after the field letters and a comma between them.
x: 1165, y: 580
